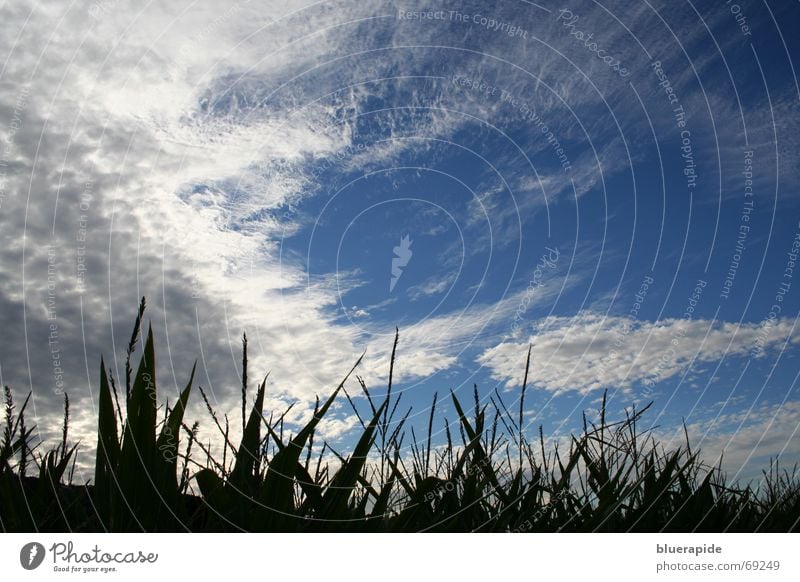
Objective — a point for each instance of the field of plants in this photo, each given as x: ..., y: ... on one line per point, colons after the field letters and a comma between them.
x: 152, y: 473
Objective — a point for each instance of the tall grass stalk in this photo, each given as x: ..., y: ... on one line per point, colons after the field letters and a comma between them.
x: 610, y: 477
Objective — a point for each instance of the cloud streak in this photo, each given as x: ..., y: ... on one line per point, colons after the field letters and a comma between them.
x: 590, y: 351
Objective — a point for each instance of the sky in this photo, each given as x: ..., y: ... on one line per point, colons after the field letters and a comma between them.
x: 614, y: 184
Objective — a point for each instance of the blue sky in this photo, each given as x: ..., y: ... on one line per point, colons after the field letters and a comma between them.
x: 614, y: 184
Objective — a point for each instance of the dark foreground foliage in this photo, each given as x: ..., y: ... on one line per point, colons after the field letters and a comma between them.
x: 488, y: 476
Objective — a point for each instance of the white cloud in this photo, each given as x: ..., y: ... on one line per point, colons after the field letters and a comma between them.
x: 745, y: 440
x: 590, y: 352
x: 432, y: 286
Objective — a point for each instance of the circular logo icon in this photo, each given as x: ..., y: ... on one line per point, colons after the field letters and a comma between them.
x: 31, y: 555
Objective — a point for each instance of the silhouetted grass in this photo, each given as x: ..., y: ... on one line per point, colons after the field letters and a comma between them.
x: 487, y: 476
